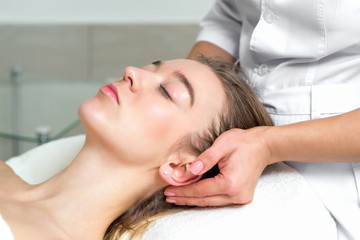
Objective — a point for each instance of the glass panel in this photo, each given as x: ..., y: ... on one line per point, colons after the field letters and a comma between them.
x: 39, y: 111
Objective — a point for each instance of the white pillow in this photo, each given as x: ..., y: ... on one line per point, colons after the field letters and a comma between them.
x: 284, y: 206
x: 44, y: 161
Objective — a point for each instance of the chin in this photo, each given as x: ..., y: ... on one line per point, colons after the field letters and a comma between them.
x: 84, y: 110
x: 91, y: 115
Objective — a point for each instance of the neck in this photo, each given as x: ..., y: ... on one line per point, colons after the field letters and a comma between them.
x: 86, y: 197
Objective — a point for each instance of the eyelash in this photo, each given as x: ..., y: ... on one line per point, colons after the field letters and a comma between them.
x: 164, y: 92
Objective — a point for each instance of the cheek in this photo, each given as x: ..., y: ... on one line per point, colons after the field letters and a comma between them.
x: 160, y: 122
x: 148, y: 131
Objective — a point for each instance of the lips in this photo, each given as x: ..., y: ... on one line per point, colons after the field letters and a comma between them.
x: 111, y: 91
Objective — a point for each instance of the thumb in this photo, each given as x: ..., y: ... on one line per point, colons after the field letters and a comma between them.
x: 205, y: 161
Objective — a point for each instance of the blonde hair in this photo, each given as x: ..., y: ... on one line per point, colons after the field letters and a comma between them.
x: 243, y: 111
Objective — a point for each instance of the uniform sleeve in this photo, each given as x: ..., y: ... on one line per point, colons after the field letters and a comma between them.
x: 222, y: 26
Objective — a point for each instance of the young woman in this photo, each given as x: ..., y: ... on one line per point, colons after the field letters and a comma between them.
x: 142, y: 133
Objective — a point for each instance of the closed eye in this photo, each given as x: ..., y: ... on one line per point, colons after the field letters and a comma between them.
x: 164, y: 92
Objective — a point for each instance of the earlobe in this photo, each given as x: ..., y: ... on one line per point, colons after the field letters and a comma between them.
x: 177, y: 174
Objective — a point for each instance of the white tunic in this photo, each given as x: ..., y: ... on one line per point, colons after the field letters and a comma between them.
x: 303, y: 61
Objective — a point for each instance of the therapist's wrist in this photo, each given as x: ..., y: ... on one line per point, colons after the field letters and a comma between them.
x: 274, y: 144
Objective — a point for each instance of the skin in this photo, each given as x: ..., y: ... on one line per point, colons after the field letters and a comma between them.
x: 127, y: 144
x: 242, y: 155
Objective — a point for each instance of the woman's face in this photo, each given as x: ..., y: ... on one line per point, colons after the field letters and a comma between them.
x: 142, y: 115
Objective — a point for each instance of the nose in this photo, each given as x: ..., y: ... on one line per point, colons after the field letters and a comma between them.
x: 138, y: 78
x: 131, y: 76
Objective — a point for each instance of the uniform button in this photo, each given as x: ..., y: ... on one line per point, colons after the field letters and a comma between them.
x: 263, y: 69
x: 268, y: 16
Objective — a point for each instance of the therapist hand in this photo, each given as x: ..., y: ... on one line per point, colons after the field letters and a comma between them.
x: 242, y: 155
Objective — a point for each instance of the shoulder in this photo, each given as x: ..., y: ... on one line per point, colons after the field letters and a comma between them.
x: 4, y: 166
x: 5, y: 169
x: 35, y: 224
x: 10, y: 182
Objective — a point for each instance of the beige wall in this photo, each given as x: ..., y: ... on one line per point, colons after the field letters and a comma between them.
x: 89, y: 52
x: 73, y: 53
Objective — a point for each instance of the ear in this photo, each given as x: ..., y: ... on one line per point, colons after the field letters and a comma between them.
x: 176, y: 171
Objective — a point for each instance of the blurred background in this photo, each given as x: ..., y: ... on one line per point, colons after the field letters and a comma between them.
x: 54, y: 54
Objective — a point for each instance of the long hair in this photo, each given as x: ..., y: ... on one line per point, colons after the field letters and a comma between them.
x: 243, y: 110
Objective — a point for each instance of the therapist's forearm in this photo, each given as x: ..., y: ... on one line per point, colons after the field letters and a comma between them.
x: 333, y: 139
x: 210, y: 50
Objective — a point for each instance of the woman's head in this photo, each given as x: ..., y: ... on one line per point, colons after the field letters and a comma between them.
x: 143, y: 117
x: 237, y: 107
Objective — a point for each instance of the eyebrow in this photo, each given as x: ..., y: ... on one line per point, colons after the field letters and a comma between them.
x: 183, y: 79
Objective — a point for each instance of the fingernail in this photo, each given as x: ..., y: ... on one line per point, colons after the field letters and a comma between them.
x: 169, y: 194
x: 170, y: 200
x: 196, y: 167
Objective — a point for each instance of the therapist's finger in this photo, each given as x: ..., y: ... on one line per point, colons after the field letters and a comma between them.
x: 217, y: 200
x: 203, y: 188
x: 210, y: 157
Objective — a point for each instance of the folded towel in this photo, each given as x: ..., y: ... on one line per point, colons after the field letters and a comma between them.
x: 44, y: 161
x: 284, y: 206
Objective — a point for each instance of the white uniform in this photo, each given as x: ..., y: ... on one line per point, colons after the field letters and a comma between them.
x: 303, y: 61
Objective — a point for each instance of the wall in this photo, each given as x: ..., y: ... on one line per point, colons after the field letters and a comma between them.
x: 103, y: 11
x: 90, y: 42
x: 89, y: 52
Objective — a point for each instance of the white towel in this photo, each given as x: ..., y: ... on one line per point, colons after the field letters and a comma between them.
x: 5, y: 232
x: 284, y: 206
x: 44, y: 161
